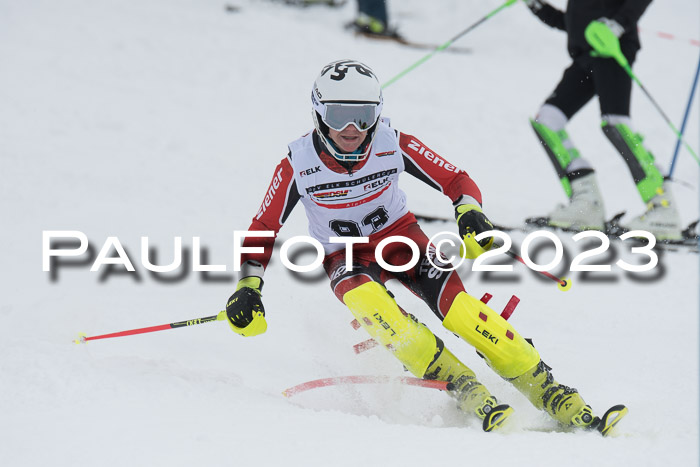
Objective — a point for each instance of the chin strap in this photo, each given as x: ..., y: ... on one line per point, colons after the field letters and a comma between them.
x: 322, y: 131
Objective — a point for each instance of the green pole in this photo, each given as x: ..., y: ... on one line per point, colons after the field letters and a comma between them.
x: 622, y: 61
x: 445, y: 45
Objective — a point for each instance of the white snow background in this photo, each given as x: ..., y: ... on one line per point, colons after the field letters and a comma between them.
x: 166, y: 118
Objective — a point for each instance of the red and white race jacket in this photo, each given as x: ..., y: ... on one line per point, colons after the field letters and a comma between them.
x: 357, y: 202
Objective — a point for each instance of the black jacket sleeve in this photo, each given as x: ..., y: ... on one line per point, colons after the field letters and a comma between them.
x: 629, y: 13
x: 549, y: 15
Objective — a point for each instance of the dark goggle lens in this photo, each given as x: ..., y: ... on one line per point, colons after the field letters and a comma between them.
x: 339, y: 116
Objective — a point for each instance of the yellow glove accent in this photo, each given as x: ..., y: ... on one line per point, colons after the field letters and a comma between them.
x: 256, y: 327
x: 471, y: 249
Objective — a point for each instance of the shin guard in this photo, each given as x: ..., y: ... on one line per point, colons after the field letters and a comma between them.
x: 506, y: 351
x: 514, y: 359
x: 412, y: 343
x: 560, y: 150
x: 640, y: 161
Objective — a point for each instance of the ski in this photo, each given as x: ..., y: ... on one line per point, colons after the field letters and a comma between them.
x: 688, y: 243
x: 231, y: 8
x: 308, y: 3
x: 613, y: 229
x: 689, y: 235
x: 420, y: 45
x: 413, y: 44
x: 611, y: 418
x: 603, y: 425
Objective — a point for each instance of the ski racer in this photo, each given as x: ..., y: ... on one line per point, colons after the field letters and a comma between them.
x: 345, y: 173
x: 594, y: 28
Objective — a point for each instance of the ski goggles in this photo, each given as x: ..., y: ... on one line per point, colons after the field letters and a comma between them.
x: 339, y: 116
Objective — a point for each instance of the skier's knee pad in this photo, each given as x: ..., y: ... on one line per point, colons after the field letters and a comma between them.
x: 506, y: 351
x: 639, y: 160
x: 411, y: 342
x: 559, y: 148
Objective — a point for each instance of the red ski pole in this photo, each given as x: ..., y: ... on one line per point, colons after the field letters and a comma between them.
x: 83, y: 339
x: 564, y: 283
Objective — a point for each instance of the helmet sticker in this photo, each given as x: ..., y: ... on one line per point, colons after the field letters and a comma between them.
x: 341, y: 69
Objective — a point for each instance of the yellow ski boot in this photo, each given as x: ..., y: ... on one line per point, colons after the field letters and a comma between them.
x: 563, y: 403
x: 472, y: 397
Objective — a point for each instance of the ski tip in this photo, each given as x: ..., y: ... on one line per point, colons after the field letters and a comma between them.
x: 82, y: 338
x: 497, y: 417
x: 611, y: 418
x: 537, y: 221
x: 616, y: 218
x: 565, y: 284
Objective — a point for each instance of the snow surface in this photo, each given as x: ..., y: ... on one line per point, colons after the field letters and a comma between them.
x: 165, y: 118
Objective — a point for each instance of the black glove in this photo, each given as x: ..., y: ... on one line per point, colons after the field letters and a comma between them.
x: 471, y: 221
x: 534, y: 5
x: 244, y: 309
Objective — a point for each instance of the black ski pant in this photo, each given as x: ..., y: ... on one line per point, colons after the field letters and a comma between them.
x: 589, y: 76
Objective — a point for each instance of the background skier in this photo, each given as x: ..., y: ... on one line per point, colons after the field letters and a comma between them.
x: 594, y: 27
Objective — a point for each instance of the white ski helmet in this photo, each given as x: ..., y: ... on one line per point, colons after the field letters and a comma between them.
x: 346, y: 92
